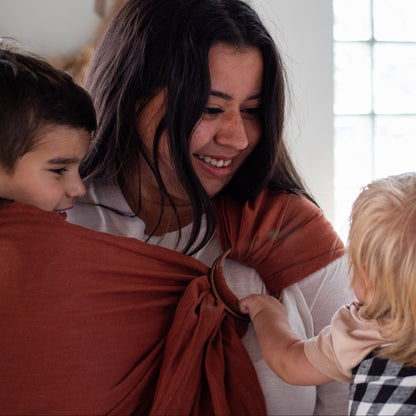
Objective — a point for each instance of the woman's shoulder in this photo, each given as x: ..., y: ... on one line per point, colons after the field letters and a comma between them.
x: 291, y: 210
x: 285, y: 235
x: 286, y: 199
x: 275, y: 201
x: 285, y: 213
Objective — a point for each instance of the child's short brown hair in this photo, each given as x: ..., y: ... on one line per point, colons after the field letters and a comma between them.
x: 33, y: 94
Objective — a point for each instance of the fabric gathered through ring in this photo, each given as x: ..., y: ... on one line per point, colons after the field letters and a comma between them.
x: 218, y: 263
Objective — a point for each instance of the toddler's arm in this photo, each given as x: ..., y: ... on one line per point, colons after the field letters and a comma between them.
x: 282, y: 349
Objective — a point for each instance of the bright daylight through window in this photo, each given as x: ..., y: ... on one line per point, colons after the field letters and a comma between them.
x: 375, y: 95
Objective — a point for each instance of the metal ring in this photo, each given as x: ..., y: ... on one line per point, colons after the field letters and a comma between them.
x: 218, y: 262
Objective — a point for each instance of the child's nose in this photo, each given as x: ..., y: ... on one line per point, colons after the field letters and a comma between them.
x: 76, y: 188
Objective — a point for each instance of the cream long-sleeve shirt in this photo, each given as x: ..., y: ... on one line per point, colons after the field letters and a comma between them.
x: 310, y: 303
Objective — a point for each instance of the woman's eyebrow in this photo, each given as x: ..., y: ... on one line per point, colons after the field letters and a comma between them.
x: 226, y: 96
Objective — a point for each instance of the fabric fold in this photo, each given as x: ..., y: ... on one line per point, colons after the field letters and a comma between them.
x: 85, y: 318
x: 97, y: 324
x: 283, y: 236
x: 203, y: 352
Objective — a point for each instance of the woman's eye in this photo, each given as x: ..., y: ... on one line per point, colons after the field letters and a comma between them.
x: 212, y: 111
x: 251, y: 113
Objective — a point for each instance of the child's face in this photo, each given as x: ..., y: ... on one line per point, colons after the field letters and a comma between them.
x: 48, y: 175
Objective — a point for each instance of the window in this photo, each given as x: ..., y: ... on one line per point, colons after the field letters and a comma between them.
x: 375, y: 96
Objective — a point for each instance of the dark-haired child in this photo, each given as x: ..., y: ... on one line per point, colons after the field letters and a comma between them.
x: 46, y: 121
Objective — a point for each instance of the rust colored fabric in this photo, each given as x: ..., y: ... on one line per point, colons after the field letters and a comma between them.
x: 283, y: 236
x: 96, y: 324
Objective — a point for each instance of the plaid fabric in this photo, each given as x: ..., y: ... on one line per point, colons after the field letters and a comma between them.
x: 382, y: 387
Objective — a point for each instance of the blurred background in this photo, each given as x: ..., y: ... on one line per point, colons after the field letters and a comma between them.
x: 351, y: 68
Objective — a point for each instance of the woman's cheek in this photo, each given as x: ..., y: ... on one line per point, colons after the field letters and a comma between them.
x: 254, y: 132
x: 201, y: 136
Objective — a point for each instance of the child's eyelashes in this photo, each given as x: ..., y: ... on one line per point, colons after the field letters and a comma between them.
x: 59, y: 171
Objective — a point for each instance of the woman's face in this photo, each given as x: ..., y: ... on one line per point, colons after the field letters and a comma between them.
x: 229, y: 129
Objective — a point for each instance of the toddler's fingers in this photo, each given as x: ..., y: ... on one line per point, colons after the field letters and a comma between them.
x: 243, y: 306
x: 250, y: 303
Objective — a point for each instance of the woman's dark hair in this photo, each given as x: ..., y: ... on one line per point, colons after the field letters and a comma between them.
x: 163, y: 44
x: 34, y: 94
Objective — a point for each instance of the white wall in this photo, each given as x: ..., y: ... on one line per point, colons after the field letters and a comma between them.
x: 49, y: 27
x: 302, y: 29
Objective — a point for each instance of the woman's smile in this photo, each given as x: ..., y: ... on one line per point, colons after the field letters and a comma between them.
x: 213, y: 161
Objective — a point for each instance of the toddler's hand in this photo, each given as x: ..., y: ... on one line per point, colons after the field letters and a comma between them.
x: 254, y: 304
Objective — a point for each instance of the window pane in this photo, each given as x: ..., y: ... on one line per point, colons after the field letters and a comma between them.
x: 353, y: 165
x: 395, y: 145
x: 352, y: 78
x: 394, y: 20
x: 352, y: 19
x: 394, y: 78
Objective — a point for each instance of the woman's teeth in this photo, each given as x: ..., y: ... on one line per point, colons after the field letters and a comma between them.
x: 214, y: 162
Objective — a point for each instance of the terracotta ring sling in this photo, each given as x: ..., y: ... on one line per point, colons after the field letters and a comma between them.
x: 97, y: 324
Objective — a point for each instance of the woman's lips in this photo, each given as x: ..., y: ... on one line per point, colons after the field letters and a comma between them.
x: 217, y: 162
x: 214, y: 167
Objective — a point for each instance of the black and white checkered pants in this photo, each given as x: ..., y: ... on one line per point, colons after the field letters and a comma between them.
x: 382, y: 387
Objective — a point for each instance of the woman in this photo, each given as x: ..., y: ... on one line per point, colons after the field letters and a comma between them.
x: 190, y: 102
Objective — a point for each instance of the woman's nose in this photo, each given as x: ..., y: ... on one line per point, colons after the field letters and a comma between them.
x: 232, y: 132
x: 75, y: 188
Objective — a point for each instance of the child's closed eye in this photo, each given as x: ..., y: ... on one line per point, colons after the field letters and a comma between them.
x: 59, y: 171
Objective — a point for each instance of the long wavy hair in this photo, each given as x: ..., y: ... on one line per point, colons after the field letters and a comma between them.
x: 152, y: 45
